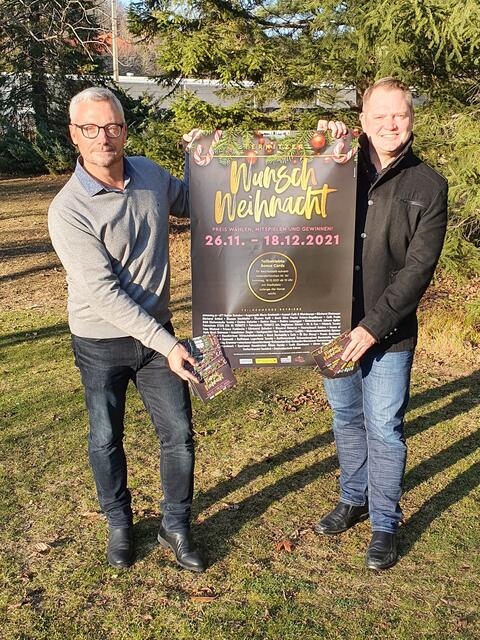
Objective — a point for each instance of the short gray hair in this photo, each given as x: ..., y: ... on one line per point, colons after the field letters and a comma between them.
x: 95, y: 94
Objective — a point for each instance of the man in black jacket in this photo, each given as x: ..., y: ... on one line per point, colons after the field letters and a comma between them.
x: 401, y: 217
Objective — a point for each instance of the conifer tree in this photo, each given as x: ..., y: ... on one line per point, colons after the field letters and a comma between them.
x: 293, y: 49
x: 46, y: 45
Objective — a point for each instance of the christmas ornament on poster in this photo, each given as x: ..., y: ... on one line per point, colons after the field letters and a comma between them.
x: 273, y: 146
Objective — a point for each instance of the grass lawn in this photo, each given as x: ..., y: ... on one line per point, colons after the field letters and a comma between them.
x: 266, y: 471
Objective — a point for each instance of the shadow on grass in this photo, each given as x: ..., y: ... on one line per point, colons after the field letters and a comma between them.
x: 420, y: 424
x: 145, y: 532
x: 27, y: 272
x: 442, y: 460
x: 254, y: 471
x: 17, y: 187
x: 33, y: 335
x: 219, y: 528
x: 183, y: 304
x: 186, y: 282
x: 216, y: 533
x: 222, y: 526
x: 415, y: 427
x: 21, y: 214
x: 469, y: 398
x: 471, y: 384
x: 460, y: 487
x: 21, y: 248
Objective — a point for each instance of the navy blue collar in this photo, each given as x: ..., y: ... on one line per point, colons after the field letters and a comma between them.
x: 93, y: 186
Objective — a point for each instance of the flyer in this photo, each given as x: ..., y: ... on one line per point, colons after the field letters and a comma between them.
x: 328, y: 358
x: 213, y: 371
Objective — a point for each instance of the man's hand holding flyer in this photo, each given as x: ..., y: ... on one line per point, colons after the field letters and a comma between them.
x: 213, y: 372
x: 329, y: 361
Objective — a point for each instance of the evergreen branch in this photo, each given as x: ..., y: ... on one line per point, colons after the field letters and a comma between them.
x: 238, y: 12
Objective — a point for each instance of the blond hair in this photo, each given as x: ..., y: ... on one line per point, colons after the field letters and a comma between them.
x: 389, y: 84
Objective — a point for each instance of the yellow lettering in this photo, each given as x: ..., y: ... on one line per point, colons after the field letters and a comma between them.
x: 242, y: 209
x: 222, y: 204
x: 240, y: 173
x: 313, y: 202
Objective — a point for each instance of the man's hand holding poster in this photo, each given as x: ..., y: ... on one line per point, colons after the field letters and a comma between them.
x: 272, y: 219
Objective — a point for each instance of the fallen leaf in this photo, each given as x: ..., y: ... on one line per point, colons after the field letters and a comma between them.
x: 92, y: 515
x: 203, y: 598
x: 41, y: 547
x: 284, y: 545
x: 204, y: 594
x: 310, y: 396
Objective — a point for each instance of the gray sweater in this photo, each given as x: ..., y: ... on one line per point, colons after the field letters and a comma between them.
x: 114, y: 247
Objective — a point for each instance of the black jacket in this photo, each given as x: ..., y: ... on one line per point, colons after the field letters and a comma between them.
x: 401, y: 220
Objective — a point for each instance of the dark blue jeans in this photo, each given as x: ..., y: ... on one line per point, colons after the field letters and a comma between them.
x: 368, y: 410
x: 106, y: 367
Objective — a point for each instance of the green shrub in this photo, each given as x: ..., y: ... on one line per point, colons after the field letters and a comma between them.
x: 18, y: 155
x: 47, y: 152
x: 57, y: 153
x: 160, y: 140
x: 447, y: 137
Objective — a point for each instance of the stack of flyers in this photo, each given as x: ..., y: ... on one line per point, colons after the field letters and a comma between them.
x: 329, y: 361
x: 213, y: 371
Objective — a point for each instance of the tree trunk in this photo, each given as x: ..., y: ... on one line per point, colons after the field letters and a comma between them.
x: 39, y: 82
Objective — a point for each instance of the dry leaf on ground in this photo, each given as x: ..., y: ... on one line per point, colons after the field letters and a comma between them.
x: 204, y: 594
x: 285, y: 545
x: 203, y: 598
x: 91, y: 515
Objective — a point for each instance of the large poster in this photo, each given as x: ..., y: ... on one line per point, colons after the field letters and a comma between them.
x: 272, y: 224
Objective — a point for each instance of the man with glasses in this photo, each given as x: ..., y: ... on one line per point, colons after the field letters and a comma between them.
x: 109, y: 227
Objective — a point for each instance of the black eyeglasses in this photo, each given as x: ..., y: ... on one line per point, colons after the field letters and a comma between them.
x: 112, y: 130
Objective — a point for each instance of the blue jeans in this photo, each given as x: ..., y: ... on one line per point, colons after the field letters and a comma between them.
x: 368, y: 410
x: 106, y: 367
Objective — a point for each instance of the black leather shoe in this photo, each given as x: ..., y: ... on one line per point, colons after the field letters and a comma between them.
x: 382, y: 551
x: 341, y: 518
x: 186, y: 555
x: 120, y: 546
